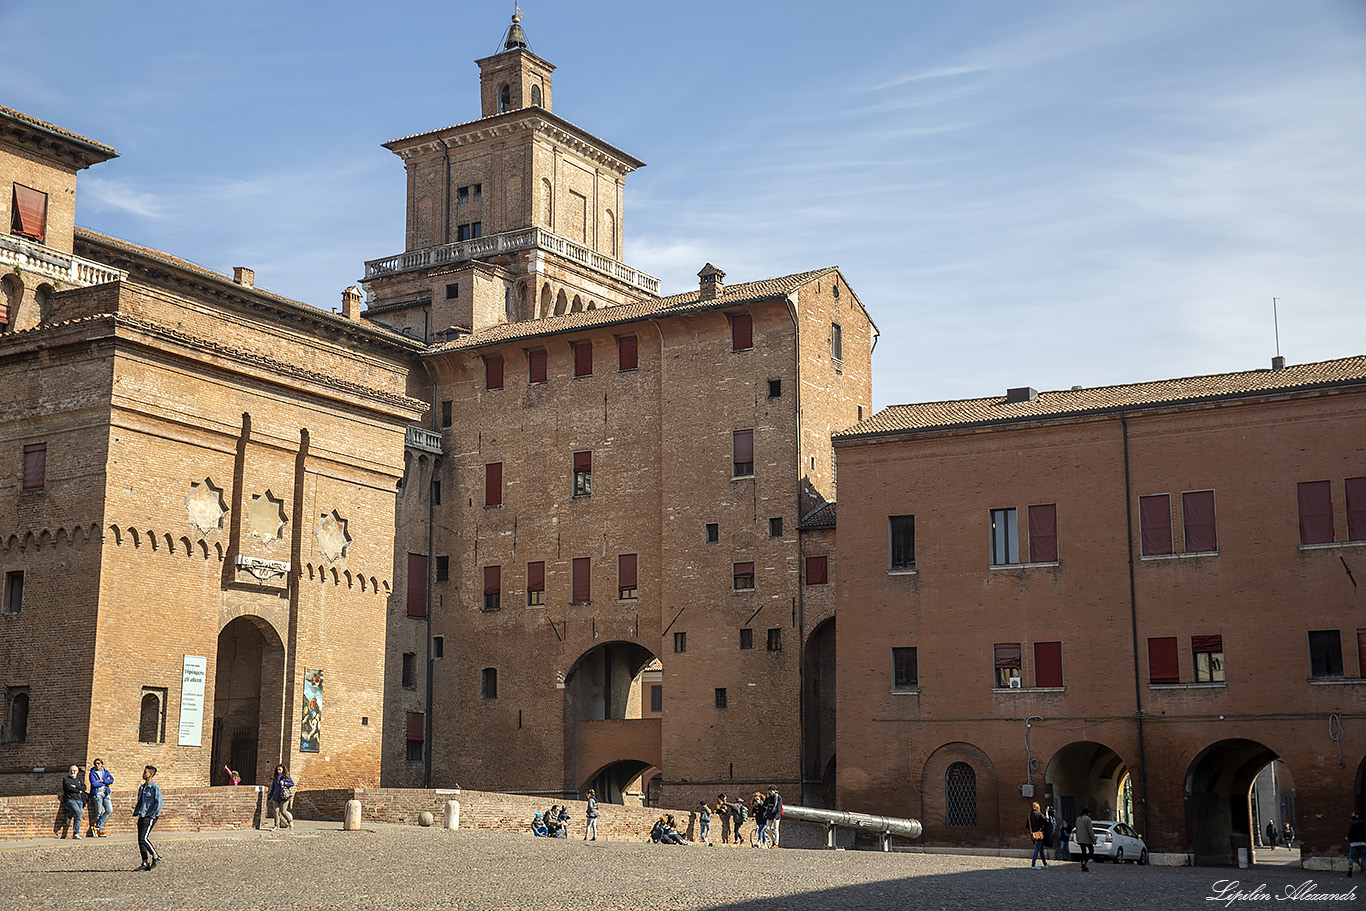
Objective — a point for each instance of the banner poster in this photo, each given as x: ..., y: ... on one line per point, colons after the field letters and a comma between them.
x: 192, y: 676
x: 310, y: 736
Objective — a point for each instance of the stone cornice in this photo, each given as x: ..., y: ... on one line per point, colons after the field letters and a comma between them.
x: 536, y: 120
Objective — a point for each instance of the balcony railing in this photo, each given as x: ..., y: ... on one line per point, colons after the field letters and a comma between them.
x: 508, y: 242
x: 426, y: 440
x: 32, y: 256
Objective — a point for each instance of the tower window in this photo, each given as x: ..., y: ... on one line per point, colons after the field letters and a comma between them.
x: 536, y: 95
x: 504, y: 98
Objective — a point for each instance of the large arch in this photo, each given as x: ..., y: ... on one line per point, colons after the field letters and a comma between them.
x: 938, y: 788
x: 607, y: 734
x: 1218, y: 815
x: 248, y: 698
x: 818, y: 717
x: 1091, y: 775
x: 621, y: 782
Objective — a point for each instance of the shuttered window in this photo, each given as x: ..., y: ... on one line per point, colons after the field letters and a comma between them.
x: 583, y: 358
x: 583, y: 585
x: 35, y: 466
x: 1162, y: 660
x: 1197, y: 513
x: 1048, y: 664
x: 417, y: 726
x: 493, y: 484
x: 493, y: 372
x: 816, y: 571
x: 1316, y: 512
x: 1043, y: 533
x: 1155, y: 524
x: 627, y: 356
x: 1007, y: 656
x: 1356, y: 509
x: 535, y: 583
x: 626, y: 576
x: 536, y: 366
x: 741, y: 332
x: 417, y: 585
x: 743, y: 576
x: 1208, y: 652
x: 493, y: 588
x: 28, y: 216
x: 742, y: 453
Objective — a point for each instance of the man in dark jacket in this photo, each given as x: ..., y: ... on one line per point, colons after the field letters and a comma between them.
x: 73, y: 799
x: 1356, y: 843
x: 773, y: 810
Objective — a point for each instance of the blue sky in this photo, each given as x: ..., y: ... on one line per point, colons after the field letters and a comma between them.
x: 1021, y: 193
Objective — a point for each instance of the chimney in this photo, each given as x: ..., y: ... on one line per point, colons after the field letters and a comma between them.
x: 244, y: 276
x: 1278, y: 363
x: 1022, y: 394
x: 351, y: 300
x: 713, y: 282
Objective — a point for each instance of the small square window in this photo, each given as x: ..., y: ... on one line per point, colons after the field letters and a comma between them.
x: 680, y: 643
x: 452, y: 291
x: 746, y: 639
x: 775, y: 527
x: 905, y: 669
x: 713, y: 532
x: 742, y: 577
x: 817, y: 571
x: 775, y: 388
x: 720, y: 697
x: 410, y: 670
x: 443, y: 569
x: 438, y: 646
x: 775, y: 639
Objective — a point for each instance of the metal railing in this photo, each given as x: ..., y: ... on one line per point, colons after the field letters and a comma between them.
x: 884, y: 826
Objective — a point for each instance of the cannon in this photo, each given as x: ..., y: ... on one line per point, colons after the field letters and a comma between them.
x: 884, y: 826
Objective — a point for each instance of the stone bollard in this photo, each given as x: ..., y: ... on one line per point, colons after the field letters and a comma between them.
x: 425, y: 818
x: 351, y: 821
x: 1242, y: 858
x: 452, y: 814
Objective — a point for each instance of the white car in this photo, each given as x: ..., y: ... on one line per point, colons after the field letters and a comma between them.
x: 1115, y: 841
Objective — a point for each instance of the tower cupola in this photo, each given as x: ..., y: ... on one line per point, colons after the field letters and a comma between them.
x: 514, y: 78
x: 516, y: 38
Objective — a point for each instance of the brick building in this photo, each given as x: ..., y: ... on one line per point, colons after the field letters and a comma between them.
x: 619, y: 485
x: 1132, y: 597
x: 197, y: 492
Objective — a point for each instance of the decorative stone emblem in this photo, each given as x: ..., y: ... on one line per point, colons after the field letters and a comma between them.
x: 266, y: 516
x: 204, y: 506
x: 332, y: 537
x: 271, y: 572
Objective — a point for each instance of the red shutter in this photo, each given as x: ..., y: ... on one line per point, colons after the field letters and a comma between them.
x: 741, y: 332
x: 30, y: 213
x: 536, y: 366
x: 493, y: 484
x: 626, y: 571
x: 627, y: 356
x: 1162, y: 661
x: 743, y: 571
x: 816, y: 571
x: 417, y: 585
x: 1043, y: 534
x: 1007, y: 654
x: 35, y: 466
x: 583, y: 587
x: 417, y: 726
x: 535, y: 576
x: 1316, y: 512
x: 1155, y: 522
x: 583, y: 461
x: 1361, y: 651
x: 1197, y: 512
x: 583, y: 358
x: 743, y: 444
x: 1207, y: 643
x: 493, y: 372
x: 493, y: 580
x: 1048, y: 664
x: 1356, y: 509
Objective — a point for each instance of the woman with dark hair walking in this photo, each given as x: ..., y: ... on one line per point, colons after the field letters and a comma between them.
x: 1037, y: 822
x: 282, y: 796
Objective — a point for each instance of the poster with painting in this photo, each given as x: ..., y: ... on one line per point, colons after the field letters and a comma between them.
x: 310, y: 736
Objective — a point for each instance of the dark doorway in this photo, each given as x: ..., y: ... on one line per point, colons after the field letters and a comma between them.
x: 818, y: 717
x: 1218, y: 783
x: 247, y: 700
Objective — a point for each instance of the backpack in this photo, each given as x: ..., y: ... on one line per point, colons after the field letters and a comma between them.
x: 744, y: 812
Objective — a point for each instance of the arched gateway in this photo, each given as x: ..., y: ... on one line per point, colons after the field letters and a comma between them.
x: 248, y: 700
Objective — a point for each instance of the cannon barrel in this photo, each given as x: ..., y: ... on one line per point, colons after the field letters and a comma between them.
x: 886, y: 825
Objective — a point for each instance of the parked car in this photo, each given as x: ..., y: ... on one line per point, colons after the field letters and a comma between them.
x: 1116, y: 841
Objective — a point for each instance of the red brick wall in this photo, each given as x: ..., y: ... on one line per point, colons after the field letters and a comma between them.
x: 186, y: 810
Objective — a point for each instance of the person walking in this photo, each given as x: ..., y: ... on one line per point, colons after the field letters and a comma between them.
x: 282, y: 796
x: 1356, y: 843
x: 73, y: 800
x: 146, y: 810
x: 704, y: 819
x: 759, y: 810
x: 1086, y: 839
x: 592, y: 826
x: 723, y: 810
x: 101, y: 802
x: 1271, y: 835
x: 1288, y: 834
x: 773, y: 809
x: 1037, y: 823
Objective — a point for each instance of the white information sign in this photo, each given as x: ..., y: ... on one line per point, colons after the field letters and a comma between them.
x: 192, y: 700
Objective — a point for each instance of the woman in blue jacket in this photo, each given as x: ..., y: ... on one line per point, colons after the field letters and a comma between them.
x: 146, y: 810
x: 101, y: 803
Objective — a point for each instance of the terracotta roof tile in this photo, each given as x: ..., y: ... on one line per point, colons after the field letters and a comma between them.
x: 822, y: 516
x: 56, y: 130
x: 1080, y: 402
x: 688, y: 302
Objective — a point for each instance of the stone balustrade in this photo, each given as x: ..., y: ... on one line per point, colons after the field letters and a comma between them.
x: 20, y: 253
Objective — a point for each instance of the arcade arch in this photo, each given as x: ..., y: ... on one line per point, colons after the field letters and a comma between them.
x: 1219, y: 783
x: 818, y: 717
x: 611, y: 725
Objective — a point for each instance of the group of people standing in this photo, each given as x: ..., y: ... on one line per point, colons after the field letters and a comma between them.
x: 75, y: 797
x: 767, y: 810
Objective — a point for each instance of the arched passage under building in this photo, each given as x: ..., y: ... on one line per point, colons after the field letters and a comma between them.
x: 1218, y: 809
x: 1091, y: 775
x: 248, y: 699
x: 624, y: 782
x: 818, y: 717
x: 612, y: 719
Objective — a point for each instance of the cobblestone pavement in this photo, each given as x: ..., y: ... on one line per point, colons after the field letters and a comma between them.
x: 404, y: 867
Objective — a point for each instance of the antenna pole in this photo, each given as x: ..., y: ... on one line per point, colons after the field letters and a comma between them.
x: 1275, y: 322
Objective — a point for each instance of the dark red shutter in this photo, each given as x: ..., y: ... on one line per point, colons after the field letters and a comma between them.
x: 1197, y: 512
x: 583, y: 461
x: 493, y: 372
x: 1361, y: 651
x: 1316, y: 512
x: 1043, y: 534
x: 741, y: 332
x: 583, y: 358
x: 1048, y: 664
x: 535, y: 576
x: 417, y: 585
x: 536, y: 366
x: 1356, y: 509
x: 744, y: 446
x: 493, y: 484
x: 1155, y: 521
x: 1007, y: 654
x: 583, y: 587
x: 1162, y: 661
x: 493, y: 580
x: 417, y: 726
x: 627, y: 356
x: 626, y: 571
x: 816, y: 571
x: 1207, y: 643
x: 744, y: 571
x: 30, y: 213
x: 35, y: 466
